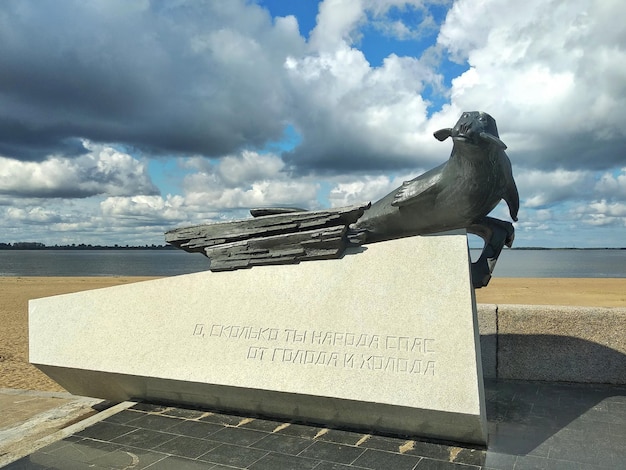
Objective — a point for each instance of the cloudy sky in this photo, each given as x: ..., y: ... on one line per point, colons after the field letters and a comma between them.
x: 122, y: 119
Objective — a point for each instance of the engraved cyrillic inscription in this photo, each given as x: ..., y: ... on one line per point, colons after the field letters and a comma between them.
x: 337, y: 349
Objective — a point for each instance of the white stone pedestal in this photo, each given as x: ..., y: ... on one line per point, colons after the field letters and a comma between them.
x: 385, y: 339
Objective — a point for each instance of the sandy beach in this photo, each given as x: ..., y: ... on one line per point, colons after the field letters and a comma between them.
x: 16, y: 372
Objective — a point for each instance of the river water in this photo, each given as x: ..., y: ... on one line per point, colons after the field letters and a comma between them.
x: 512, y: 263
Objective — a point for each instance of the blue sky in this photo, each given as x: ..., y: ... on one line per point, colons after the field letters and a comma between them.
x: 122, y: 119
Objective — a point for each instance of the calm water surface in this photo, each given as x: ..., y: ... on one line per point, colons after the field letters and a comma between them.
x: 560, y: 263
x: 512, y: 263
x: 99, y: 262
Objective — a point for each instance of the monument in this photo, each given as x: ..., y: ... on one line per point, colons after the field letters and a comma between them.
x: 376, y: 331
x: 458, y: 194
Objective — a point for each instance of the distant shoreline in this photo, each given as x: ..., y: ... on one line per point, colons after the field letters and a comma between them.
x: 82, y: 247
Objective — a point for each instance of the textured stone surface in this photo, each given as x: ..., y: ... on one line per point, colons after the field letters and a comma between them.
x: 488, y: 327
x: 285, y: 237
x: 384, y: 340
x: 557, y: 343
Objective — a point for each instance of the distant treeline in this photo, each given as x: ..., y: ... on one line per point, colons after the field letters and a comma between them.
x: 81, y: 246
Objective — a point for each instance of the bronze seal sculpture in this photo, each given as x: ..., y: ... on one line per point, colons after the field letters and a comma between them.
x: 458, y: 194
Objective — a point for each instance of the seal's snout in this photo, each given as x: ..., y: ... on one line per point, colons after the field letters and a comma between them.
x: 465, y: 129
x: 473, y: 127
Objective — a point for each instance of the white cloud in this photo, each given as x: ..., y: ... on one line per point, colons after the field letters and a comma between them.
x: 602, y: 213
x: 416, y: 21
x: 249, y: 167
x: 556, y: 71
x: 169, y: 77
x: 156, y: 209
x: 358, y: 117
x: 615, y: 209
x: 542, y: 188
x: 601, y: 220
x: 612, y: 185
x: 258, y: 194
x: 243, y: 181
x: 336, y: 24
x: 221, y: 79
x: 33, y: 215
x: 103, y: 170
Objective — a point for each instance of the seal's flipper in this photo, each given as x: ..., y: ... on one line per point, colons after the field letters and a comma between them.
x: 493, y: 139
x: 443, y: 134
x: 496, y: 234
x: 511, y: 196
x: 512, y: 199
x: 409, y: 192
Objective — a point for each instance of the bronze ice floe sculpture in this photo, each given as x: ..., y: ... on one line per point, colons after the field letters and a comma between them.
x: 458, y: 194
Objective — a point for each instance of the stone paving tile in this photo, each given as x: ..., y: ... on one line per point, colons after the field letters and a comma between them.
x: 87, y: 453
x: 283, y: 444
x: 498, y: 461
x: 42, y: 461
x: 531, y: 462
x: 197, y: 429
x: 106, y: 431
x: 188, y: 447
x: 300, y: 430
x: 222, y: 467
x: 127, y: 457
x: 470, y: 456
x: 149, y: 407
x: 262, y: 425
x: 431, y: 464
x: 154, y: 421
x: 179, y: 463
x: 532, y: 426
x: 390, y: 444
x: 575, y: 452
x: 429, y: 449
x: 342, y: 437
x: 333, y: 452
x: 243, y: 437
x: 55, y: 446
x: 335, y: 466
x: 284, y: 462
x: 144, y: 438
x: 187, y: 413
x: 224, y: 419
x: 123, y: 417
x: 234, y: 456
x: 86, y: 450
x: 381, y: 460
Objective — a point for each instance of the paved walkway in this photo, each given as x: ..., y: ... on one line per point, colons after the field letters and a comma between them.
x: 532, y: 426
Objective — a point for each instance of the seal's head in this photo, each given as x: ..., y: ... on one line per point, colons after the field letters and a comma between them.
x: 473, y: 127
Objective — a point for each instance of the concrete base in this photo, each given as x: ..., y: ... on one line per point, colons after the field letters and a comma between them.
x: 384, y: 340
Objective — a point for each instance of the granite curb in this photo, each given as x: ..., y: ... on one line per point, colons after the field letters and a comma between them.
x: 30, y: 420
x: 553, y: 343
